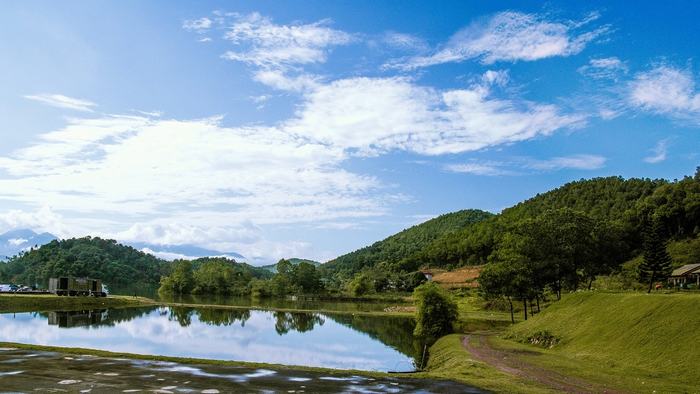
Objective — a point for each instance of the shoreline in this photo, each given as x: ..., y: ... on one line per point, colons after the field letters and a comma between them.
x: 19, y: 303
x: 207, y: 361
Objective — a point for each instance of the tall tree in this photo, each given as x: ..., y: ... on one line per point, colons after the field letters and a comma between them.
x: 657, y: 261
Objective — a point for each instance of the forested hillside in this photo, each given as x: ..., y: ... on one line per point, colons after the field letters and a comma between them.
x: 116, y: 264
x: 611, y: 214
x: 121, y: 267
x: 293, y: 261
x: 405, y: 243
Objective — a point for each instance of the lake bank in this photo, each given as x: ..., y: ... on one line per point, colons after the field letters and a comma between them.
x: 29, y: 302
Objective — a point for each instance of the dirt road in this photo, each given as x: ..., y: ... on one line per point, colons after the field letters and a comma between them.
x: 508, y: 361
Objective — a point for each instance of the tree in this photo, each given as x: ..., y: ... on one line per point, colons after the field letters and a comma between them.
x: 657, y: 262
x: 436, y: 311
x: 361, y: 284
x: 180, y: 281
x: 306, y: 278
x: 510, y: 274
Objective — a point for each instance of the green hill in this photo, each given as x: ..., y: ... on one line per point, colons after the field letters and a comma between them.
x: 295, y: 261
x: 651, y: 340
x: 406, y: 242
x: 616, y: 206
x: 117, y: 265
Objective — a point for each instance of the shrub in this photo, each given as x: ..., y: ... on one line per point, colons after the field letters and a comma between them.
x: 436, y: 311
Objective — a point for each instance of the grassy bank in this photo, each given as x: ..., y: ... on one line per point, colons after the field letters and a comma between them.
x: 449, y: 360
x: 643, y: 342
x: 42, y: 302
x: 290, y: 310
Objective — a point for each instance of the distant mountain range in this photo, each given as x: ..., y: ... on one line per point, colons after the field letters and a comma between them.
x: 172, y: 252
x: 273, y: 267
x: 15, y: 241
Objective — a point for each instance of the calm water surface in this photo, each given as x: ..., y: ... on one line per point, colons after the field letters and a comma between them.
x: 309, y: 339
x: 282, y: 303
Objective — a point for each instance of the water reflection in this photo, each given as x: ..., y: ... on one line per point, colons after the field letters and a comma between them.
x: 312, y: 339
x: 281, y: 303
x: 300, y: 322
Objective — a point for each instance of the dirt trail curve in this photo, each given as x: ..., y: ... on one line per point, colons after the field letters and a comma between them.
x: 508, y: 361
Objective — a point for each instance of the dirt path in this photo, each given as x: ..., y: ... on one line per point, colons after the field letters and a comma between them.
x: 508, y: 361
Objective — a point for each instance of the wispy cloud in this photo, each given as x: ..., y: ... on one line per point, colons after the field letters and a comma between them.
x: 476, y: 168
x: 666, y: 90
x: 266, y: 44
x: 510, y: 36
x: 404, y: 41
x: 576, y: 162
x: 659, y: 152
x: 604, y: 68
x: 278, y: 52
x: 61, y: 101
x: 200, y: 25
x: 524, y: 165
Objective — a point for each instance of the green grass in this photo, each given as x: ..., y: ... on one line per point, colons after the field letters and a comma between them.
x: 636, y: 341
x: 42, y: 302
x: 473, y: 317
x: 449, y: 360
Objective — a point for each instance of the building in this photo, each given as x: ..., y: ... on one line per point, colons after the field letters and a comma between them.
x: 686, y: 275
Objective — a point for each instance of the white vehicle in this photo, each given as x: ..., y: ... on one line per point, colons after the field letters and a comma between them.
x: 6, y: 288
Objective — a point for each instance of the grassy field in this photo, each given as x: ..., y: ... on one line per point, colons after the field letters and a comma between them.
x: 643, y: 342
x: 449, y: 360
x: 41, y: 302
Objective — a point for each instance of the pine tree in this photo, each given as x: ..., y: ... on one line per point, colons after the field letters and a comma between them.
x: 657, y: 261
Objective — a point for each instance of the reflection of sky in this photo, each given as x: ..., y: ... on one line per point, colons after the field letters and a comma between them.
x: 329, y: 345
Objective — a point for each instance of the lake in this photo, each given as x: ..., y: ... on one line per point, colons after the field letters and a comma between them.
x: 284, y: 303
x: 342, y: 341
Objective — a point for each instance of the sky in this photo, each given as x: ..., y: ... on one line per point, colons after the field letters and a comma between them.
x: 310, y: 129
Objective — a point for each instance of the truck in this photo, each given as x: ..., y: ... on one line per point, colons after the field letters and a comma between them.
x: 69, y: 286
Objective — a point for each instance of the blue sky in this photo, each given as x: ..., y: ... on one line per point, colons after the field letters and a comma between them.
x: 279, y: 129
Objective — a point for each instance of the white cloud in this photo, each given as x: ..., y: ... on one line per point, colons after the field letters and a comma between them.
x: 476, y: 168
x: 576, y: 162
x: 266, y: 44
x: 61, y: 101
x: 659, y: 152
x: 604, y: 68
x: 280, y: 80
x: 666, y: 90
x: 279, y: 52
x: 373, y: 115
x: 404, y: 41
x: 510, y: 36
x: 517, y: 165
x: 43, y: 220
x: 200, y: 25
x: 114, y: 171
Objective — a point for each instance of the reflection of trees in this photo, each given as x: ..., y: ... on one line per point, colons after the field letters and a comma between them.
x: 394, y: 331
x: 214, y: 316
x: 301, y: 322
x: 223, y: 317
x: 181, y: 315
x: 95, y: 317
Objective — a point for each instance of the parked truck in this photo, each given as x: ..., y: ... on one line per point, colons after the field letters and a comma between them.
x: 68, y: 286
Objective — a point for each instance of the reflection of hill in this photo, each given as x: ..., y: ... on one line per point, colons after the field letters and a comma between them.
x: 217, y: 317
x: 393, y: 331
x: 94, y: 318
